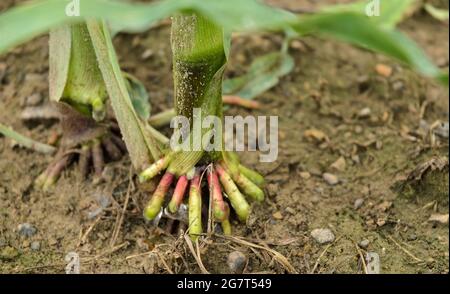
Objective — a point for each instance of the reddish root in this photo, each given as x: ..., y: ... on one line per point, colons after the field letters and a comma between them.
x: 84, y: 161
x: 178, y: 194
x: 56, y: 170
x: 236, y: 100
x: 111, y: 149
x: 220, y: 207
x: 154, y: 205
x: 119, y: 143
x: 98, y: 159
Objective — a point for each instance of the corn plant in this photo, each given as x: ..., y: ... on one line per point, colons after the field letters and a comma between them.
x: 200, y: 38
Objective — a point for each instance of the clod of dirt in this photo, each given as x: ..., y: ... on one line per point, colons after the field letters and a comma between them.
x: 322, y: 236
x: 439, y: 218
x: 384, y: 206
x: 35, y: 245
x: 305, y: 175
x: 330, y: 179
x: 236, y: 262
x: 277, y: 215
x: 339, y: 164
x: 315, y: 199
x: 26, y: 230
x: 364, y: 244
x: 358, y: 203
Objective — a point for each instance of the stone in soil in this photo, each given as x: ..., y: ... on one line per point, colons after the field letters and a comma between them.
x: 35, y: 245
x: 236, y: 262
x: 330, y: 179
x: 26, y: 230
x: 358, y: 203
x: 364, y: 244
x: 322, y: 236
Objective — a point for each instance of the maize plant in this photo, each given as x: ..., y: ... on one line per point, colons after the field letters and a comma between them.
x: 199, y: 60
x: 84, y: 71
x: 77, y: 88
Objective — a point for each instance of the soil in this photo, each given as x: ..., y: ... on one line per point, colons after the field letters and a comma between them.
x: 328, y: 90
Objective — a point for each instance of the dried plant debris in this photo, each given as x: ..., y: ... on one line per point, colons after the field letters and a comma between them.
x: 428, y: 179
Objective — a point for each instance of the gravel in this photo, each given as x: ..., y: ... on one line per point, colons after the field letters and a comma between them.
x: 236, y: 262
x: 322, y: 236
x: 26, y: 230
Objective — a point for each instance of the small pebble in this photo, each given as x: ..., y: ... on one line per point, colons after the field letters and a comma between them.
x: 34, y: 99
x: 412, y: 237
x: 236, y: 262
x: 296, y: 44
x: 330, y: 179
x: 315, y: 199
x: 272, y: 189
x: 305, y: 175
x: 26, y: 230
x: 35, y: 245
x: 364, y: 244
x: 277, y: 215
x: 147, y: 53
x: 322, y: 236
x: 52, y: 241
x: 290, y: 210
x: 381, y: 222
x: 358, y: 203
x: 356, y: 159
x: 364, y: 113
x: 398, y: 85
x: 339, y: 164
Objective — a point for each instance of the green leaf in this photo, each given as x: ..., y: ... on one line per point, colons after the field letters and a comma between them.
x: 390, y: 12
x: 133, y: 130
x: 26, y: 21
x: 22, y: 23
x: 60, y: 43
x: 138, y: 95
x: 357, y: 30
x: 263, y: 74
x: 25, y: 141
